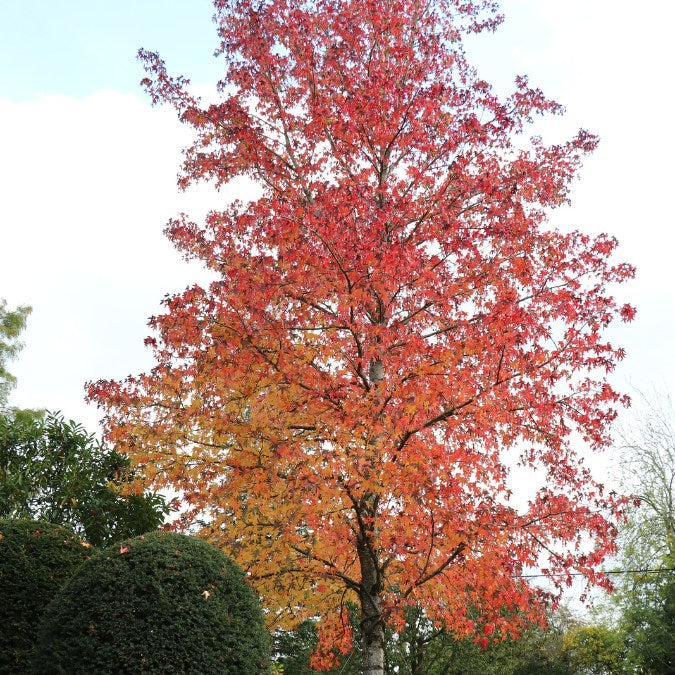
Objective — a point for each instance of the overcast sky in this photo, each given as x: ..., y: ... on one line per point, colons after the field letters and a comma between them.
x: 87, y: 170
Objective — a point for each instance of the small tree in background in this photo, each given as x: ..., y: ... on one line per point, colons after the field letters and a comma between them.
x: 645, y: 599
x: 648, y: 620
x: 36, y: 559
x: 54, y: 470
x: 160, y: 603
x: 596, y: 650
x: 12, y: 323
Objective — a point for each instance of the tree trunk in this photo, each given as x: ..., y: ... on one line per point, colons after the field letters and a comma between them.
x: 372, y: 625
x: 373, y: 651
x: 372, y: 635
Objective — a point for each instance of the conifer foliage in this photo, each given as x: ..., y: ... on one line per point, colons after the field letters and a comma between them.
x: 390, y: 317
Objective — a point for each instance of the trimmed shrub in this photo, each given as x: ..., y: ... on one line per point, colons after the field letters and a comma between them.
x: 36, y: 560
x: 162, y: 603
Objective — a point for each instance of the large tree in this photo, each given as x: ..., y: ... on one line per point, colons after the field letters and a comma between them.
x: 392, y: 322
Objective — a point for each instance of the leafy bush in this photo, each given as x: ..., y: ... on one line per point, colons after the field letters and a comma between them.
x: 163, y: 603
x: 36, y: 559
x: 54, y: 470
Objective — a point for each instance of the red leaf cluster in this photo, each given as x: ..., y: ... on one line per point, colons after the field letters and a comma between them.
x: 392, y: 317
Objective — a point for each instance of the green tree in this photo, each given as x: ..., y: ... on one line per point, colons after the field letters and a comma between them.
x: 648, y: 470
x: 645, y: 598
x: 596, y: 649
x: 422, y: 649
x: 162, y: 603
x: 54, y: 470
x: 292, y: 649
x: 648, y: 621
x: 12, y: 323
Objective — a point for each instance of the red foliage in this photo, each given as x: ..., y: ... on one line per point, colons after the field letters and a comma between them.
x: 391, y: 317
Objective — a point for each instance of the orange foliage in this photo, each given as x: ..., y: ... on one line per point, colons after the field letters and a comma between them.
x: 390, y: 318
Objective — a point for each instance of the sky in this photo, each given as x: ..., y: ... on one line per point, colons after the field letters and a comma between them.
x: 88, y: 169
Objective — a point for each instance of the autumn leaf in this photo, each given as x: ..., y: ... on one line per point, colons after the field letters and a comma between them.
x: 390, y: 321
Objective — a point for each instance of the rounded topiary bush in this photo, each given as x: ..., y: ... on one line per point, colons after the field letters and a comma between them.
x: 162, y: 603
x: 36, y: 559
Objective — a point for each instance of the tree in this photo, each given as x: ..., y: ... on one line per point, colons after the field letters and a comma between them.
x: 54, y: 470
x: 648, y: 621
x: 162, y: 603
x: 596, y: 650
x: 645, y: 598
x: 292, y: 649
x: 12, y: 322
x: 647, y: 454
x: 392, y: 317
x: 36, y: 559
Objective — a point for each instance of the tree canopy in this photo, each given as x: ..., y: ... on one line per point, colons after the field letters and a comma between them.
x: 393, y: 321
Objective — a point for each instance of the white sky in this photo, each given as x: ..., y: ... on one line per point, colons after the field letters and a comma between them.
x: 87, y: 169
x: 87, y: 177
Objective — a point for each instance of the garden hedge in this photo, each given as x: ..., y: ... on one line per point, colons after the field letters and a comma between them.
x: 162, y: 603
x: 36, y: 560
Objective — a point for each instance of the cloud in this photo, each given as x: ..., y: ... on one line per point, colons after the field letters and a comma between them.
x: 88, y: 185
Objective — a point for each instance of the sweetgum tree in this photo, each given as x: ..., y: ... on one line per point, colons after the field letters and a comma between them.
x: 390, y: 317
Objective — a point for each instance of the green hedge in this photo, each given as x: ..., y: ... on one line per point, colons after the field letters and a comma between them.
x: 36, y: 559
x: 163, y: 603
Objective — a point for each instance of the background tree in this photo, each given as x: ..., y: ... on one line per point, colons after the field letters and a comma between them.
x: 392, y: 318
x: 54, y: 470
x: 595, y: 649
x: 645, y: 600
x: 647, y: 456
x: 420, y: 648
x: 12, y: 323
x: 292, y: 649
x: 36, y: 559
x: 162, y: 603
x: 648, y: 621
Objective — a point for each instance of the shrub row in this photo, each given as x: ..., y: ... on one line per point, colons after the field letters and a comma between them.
x: 160, y: 603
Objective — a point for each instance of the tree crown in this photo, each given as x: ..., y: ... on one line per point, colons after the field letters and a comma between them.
x: 392, y: 317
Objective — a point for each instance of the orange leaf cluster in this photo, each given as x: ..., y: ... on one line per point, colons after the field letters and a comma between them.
x: 391, y: 317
